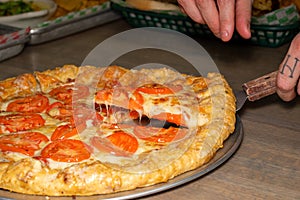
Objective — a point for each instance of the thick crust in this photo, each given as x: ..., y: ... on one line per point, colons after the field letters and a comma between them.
x: 19, y: 86
x: 152, y: 5
x: 29, y: 175
x: 52, y: 78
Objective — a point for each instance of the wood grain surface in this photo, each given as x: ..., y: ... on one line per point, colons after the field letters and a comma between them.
x: 267, y: 164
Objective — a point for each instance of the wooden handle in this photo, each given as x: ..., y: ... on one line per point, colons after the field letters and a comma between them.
x: 261, y: 87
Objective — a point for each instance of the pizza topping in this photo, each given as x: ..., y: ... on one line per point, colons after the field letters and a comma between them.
x: 169, y: 117
x: 65, y: 131
x: 66, y: 150
x: 59, y: 111
x: 25, y: 143
x: 118, y: 143
x: 158, y: 134
x: 117, y: 96
x: 20, y: 122
x: 136, y: 101
x: 65, y: 93
x: 35, y: 104
x: 158, y: 89
x: 62, y: 93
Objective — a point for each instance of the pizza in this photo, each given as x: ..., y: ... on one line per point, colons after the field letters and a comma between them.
x: 99, y: 130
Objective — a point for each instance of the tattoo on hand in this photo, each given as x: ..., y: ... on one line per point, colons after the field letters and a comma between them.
x: 291, y: 69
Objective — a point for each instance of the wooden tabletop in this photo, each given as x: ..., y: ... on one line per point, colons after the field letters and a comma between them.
x: 267, y: 163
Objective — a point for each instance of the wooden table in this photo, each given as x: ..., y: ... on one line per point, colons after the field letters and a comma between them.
x: 267, y: 164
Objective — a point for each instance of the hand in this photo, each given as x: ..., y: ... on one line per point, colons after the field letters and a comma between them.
x: 221, y: 16
x: 288, y: 82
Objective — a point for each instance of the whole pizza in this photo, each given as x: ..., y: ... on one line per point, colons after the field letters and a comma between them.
x: 99, y: 130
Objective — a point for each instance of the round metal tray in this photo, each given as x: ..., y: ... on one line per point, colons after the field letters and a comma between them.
x: 230, y: 147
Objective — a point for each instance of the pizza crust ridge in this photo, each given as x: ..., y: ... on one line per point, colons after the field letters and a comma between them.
x: 31, y: 176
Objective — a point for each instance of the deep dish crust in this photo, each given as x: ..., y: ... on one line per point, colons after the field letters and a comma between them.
x: 93, y: 177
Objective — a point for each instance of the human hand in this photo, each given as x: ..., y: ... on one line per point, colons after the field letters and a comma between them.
x: 288, y: 83
x: 221, y: 16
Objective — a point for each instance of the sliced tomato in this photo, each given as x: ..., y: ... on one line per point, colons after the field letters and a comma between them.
x: 159, y: 135
x: 66, y: 131
x: 66, y: 92
x: 118, y: 143
x: 159, y: 89
x: 124, y: 141
x: 36, y: 104
x: 21, y: 122
x: 115, y: 96
x: 169, y: 117
x: 25, y: 143
x: 104, y: 95
x: 66, y: 150
x: 136, y: 101
x: 62, y: 93
x: 82, y: 114
x: 59, y: 110
x: 80, y: 91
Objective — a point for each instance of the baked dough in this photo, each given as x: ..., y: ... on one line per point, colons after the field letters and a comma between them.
x: 28, y: 175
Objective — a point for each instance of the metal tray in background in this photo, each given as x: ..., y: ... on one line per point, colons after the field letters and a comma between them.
x: 12, y: 41
x: 73, y: 22
x: 231, y: 145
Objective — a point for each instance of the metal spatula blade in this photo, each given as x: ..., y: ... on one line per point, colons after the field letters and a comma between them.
x: 256, y: 89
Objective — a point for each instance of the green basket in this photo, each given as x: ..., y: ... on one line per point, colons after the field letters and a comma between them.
x: 268, y: 36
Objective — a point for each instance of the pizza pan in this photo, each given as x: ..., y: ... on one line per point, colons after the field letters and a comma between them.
x: 12, y: 41
x: 231, y: 145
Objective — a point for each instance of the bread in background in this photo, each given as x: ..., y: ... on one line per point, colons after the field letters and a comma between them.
x: 66, y: 6
x: 261, y: 7
x: 154, y: 4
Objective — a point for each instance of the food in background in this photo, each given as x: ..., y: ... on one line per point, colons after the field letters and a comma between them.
x: 10, y: 8
x: 66, y: 6
x: 261, y: 7
x: 154, y: 4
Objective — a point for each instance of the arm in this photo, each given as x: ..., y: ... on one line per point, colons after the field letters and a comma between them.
x: 221, y: 16
x: 289, y: 72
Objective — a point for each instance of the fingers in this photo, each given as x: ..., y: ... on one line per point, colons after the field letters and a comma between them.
x: 243, y: 17
x: 203, y: 12
x: 191, y: 9
x: 289, y: 72
x: 210, y: 15
x: 221, y: 15
x: 226, y: 16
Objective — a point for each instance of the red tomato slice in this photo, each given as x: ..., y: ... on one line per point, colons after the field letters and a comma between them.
x: 35, y: 104
x: 25, y: 143
x: 66, y: 92
x: 136, y: 101
x: 169, y: 117
x: 159, y: 89
x: 159, y: 135
x: 66, y: 150
x: 124, y: 141
x: 62, y: 93
x: 59, y: 110
x: 104, y: 95
x: 66, y: 131
x: 21, y: 122
x: 118, y: 143
x: 83, y: 113
x: 80, y: 91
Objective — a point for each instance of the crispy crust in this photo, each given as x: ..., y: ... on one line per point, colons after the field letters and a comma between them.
x: 29, y: 175
x: 52, y: 78
x: 19, y: 86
